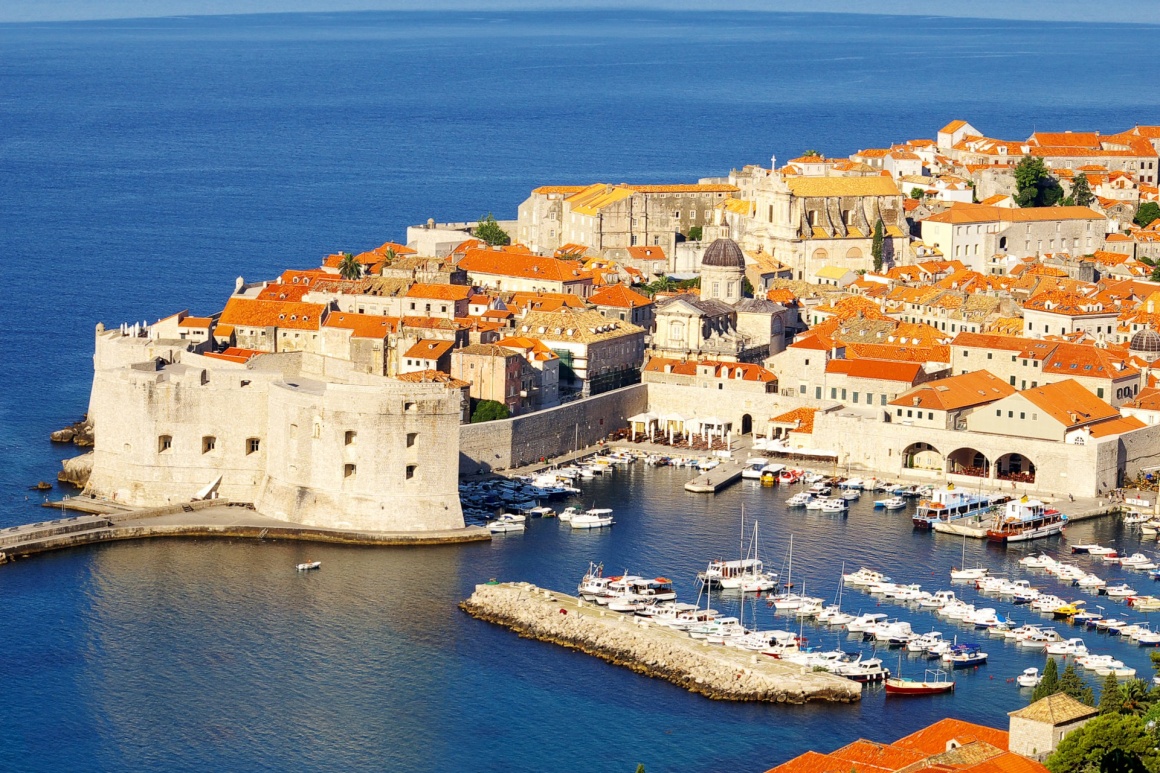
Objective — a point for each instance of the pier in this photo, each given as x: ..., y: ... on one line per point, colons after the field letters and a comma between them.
x: 715, y: 671
x: 716, y: 479
x: 213, y: 518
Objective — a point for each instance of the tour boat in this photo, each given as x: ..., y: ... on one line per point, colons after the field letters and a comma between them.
x: 1026, y: 519
x: 1029, y: 678
x: 309, y: 566
x: 890, y: 503
x: 592, y: 519
x: 950, y: 504
x: 933, y: 682
x: 722, y: 572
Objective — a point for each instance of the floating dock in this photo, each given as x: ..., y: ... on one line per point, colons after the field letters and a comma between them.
x: 715, y: 671
x: 727, y: 473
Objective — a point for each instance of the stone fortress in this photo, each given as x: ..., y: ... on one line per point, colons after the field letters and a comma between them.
x: 303, y: 437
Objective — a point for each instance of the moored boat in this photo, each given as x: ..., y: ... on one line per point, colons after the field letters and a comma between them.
x: 933, y: 682
x: 950, y: 504
x: 1025, y: 519
x: 309, y: 566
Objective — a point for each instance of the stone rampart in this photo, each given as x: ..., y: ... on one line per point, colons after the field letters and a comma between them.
x: 501, y: 445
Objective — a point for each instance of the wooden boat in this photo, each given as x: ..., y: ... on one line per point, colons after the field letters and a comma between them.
x: 309, y: 566
x: 934, y: 682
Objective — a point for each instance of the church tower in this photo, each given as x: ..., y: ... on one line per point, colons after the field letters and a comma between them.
x: 722, y: 269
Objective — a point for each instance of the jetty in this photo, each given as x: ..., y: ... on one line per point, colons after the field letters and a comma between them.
x: 715, y: 671
x: 105, y: 522
x: 727, y: 473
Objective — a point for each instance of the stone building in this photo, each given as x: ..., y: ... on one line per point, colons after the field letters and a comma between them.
x: 603, y: 216
x: 596, y: 353
x: 1035, y: 731
x: 495, y: 373
x: 305, y: 438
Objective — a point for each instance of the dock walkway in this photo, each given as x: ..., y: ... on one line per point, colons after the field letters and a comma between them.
x: 716, y: 671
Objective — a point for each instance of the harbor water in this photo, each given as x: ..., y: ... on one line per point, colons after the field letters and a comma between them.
x: 147, y: 164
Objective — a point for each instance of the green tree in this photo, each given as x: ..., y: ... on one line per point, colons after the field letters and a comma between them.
x: 746, y: 287
x: 1084, y: 749
x: 1120, y: 761
x: 1155, y: 277
x: 695, y: 233
x: 489, y: 231
x: 811, y: 154
x: 1110, y: 696
x: 1034, y: 184
x: 489, y: 410
x: 349, y: 267
x: 1071, y: 683
x: 1147, y: 212
x: 640, y: 768
x: 876, y: 245
x: 917, y: 193
x: 1049, y: 683
x: 1081, y: 192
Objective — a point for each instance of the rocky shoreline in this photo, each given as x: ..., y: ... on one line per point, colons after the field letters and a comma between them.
x: 76, y: 471
x: 716, y: 672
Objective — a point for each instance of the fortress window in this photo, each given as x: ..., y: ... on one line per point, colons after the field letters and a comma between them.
x: 245, y: 382
x: 350, y: 436
x: 409, y: 407
x: 411, y: 471
x: 208, y: 443
x: 252, y: 445
x: 164, y: 443
x: 348, y: 470
x: 411, y: 438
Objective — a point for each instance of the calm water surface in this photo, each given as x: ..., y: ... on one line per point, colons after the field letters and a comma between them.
x: 146, y: 164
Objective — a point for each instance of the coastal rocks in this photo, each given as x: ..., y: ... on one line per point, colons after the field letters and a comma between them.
x: 76, y: 471
x: 79, y: 433
x: 716, y: 672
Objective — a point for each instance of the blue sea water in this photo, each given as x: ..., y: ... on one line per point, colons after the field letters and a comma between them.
x: 146, y: 164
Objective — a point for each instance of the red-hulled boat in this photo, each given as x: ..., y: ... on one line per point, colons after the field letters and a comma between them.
x: 934, y: 682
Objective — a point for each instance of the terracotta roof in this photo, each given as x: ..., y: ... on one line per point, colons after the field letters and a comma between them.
x: 647, y: 253
x: 530, y: 348
x: 433, y: 377
x: 745, y: 371
x: 223, y: 331
x: 1058, y: 709
x: 487, y: 350
x: 249, y: 312
x: 1070, y: 404
x: 235, y: 354
x: 813, y: 762
x: 803, y: 417
x: 619, y: 296
x: 1147, y: 400
x: 575, y: 325
x: 879, y: 755
x: 428, y: 349
x: 956, y: 392
x: 499, y: 263
x: 1008, y: 762
x: 982, y: 213
x: 952, y: 127
x: 566, y: 190
x: 933, y: 739
x: 815, y: 187
x: 439, y: 292
x: 364, y: 325
x: 885, y: 370
x: 199, y: 322
x: 1084, y: 360
x: 1116, y: 426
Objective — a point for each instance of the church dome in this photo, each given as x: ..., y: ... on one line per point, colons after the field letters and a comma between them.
x: 1145, y: 343
x: 724, y: 253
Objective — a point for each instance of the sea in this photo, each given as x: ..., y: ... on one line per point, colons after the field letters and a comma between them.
x: 145, y: 164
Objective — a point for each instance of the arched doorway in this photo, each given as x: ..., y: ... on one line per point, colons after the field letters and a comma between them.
x: 922, y: 456
x: 1015, y: 467
x: 746, y: 424
x: 969, y: 461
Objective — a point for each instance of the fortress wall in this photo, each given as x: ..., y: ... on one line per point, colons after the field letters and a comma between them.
x: 522, y: 440
x: 396, y: 427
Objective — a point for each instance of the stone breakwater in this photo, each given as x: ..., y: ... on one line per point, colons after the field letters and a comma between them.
x: 718, y: 672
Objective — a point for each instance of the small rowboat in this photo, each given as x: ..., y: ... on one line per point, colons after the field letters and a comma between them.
x: 933, y: 683
x: 309, y: 566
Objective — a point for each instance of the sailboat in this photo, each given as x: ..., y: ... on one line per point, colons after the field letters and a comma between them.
x: 788, y: 599
x: 833, y: 614
x: 935, y: 681
x: 746, y: 574
x: 963, y: 573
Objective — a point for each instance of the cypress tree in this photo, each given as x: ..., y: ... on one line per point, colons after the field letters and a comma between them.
x: 1110, y: 700
x: 1049, y: 683
x: 1071, y: 683
x: 876, y: 245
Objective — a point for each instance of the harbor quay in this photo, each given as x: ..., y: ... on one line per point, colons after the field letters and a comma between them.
x: 713, y: 671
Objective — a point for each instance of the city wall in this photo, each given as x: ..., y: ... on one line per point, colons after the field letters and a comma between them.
x: 501, y: 445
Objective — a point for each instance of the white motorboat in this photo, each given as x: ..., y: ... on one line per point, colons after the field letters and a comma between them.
x: 1037, y: 562
x: 593, y: 584
x: 820, y: 489
x: 817, y: 503
x: 851, y: 494
x: 924, y: 642
x: 864, y: 577
x: 852, y: 483
x: 891, y: 503
x: 863, y: 670
x: 1119, y: 591
x: 595, y: 518
x: 753, y: 467
x: 309, y: 566
x: 938, y: 600
x: 800, y: 499
x: 1120, y: 672
x: 864, y: 622
x: 1073, y: 646
x: 835, y: 505
x: 969, y: 574
x: 542, y: 512
x: 1029, y: 678
x: 1090, y: 581
x: 568, y: 512
x: 504, y: 526
x: 1136, y: 517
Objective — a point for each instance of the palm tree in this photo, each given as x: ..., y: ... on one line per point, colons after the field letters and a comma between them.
x: 349, y: 267
x: 391, y: 255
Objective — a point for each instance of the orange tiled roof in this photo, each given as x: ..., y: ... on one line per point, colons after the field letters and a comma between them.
x: 951, y: 394
x: 618, y: 296
x: 198, y: 322
x: 981, y: 213
x: 235, y: 354
x: 439, y: 292
x: 885, y: 370
x: 933, y: 739
x: 1116, y: 426
x: 745, y: 371
x: 525, y: 266
x: 803, y: 416
x: 647, y: 253
x: 879, y: 755
x: 429, y: 349
x: 1069, y: 403
x: 364, y: 325
x: 249, y: 312
x: 433, y: 377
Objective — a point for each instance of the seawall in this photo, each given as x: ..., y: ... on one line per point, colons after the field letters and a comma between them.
x: 520, y: 440
x: 715, y: 671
